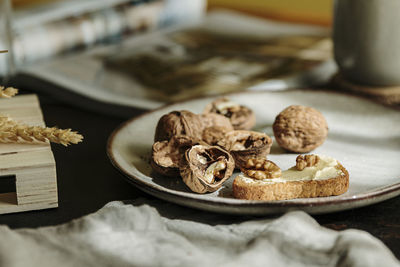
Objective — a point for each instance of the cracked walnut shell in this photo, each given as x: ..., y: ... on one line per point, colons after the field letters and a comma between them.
x: 204, y: 168
x: 241, y: 117
x: 244, y: 145
x: 166, y: 155
x: 215, y: 136
x: 300, y: 129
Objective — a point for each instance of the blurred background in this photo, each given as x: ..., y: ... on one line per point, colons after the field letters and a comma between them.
x: 96, y: 48
x: 309, y: 11
x: 303, y: 11
x: 37, y: 23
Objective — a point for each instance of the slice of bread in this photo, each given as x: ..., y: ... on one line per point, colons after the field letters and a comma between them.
x: 280, y: 189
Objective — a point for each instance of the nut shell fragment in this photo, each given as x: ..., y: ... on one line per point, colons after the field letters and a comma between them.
x: 241, y: 117
x: 300, y: 129
x: 199, y: 162
x: 244, y: 145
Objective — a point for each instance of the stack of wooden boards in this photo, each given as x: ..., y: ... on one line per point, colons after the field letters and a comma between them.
x: 30, y: 166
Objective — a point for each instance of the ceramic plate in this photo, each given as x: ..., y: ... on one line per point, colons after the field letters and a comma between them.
x: 363, y: 136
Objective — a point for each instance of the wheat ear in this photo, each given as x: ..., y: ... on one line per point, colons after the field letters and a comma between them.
x: 8, y: 92
x: 13, y: 132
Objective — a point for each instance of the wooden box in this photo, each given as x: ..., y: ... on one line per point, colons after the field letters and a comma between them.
x: 28, y: 171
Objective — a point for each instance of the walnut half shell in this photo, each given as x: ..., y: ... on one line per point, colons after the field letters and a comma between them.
x: 205, y: 168
x: 244, y: 145
x: 241, y: 117
x: 166, y: 155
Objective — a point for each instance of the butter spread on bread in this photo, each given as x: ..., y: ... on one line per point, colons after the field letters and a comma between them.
x: 328, y: 177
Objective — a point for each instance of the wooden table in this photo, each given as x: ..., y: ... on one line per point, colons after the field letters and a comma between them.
x: 87, y: 181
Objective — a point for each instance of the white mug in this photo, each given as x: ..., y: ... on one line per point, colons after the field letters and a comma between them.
x: 366, y: 37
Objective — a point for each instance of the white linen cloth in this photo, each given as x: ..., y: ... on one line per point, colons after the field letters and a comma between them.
x: 137, y: 235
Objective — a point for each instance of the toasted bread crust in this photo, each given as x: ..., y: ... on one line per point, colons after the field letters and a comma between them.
x: 293, y: 189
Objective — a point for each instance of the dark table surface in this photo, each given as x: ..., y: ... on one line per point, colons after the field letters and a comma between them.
x: 87, y: 181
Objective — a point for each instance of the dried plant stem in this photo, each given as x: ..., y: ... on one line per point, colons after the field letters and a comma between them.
x: 13, y: 132
x: 8, y: 92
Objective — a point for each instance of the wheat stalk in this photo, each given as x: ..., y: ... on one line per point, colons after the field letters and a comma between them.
x: 8, y: 92
x: 13, y: 132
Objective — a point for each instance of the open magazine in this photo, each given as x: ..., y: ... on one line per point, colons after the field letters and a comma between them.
x: 224, y: 52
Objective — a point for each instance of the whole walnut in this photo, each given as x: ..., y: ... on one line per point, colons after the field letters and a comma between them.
x: 300, y: 129
x: 181, y: 122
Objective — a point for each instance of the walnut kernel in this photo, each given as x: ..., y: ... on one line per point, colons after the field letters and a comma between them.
x: 214, y: 171
x: 260, y: 169
x: 303, y: 161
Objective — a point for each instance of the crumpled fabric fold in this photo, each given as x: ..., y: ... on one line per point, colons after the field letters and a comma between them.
x: 137, y: 235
